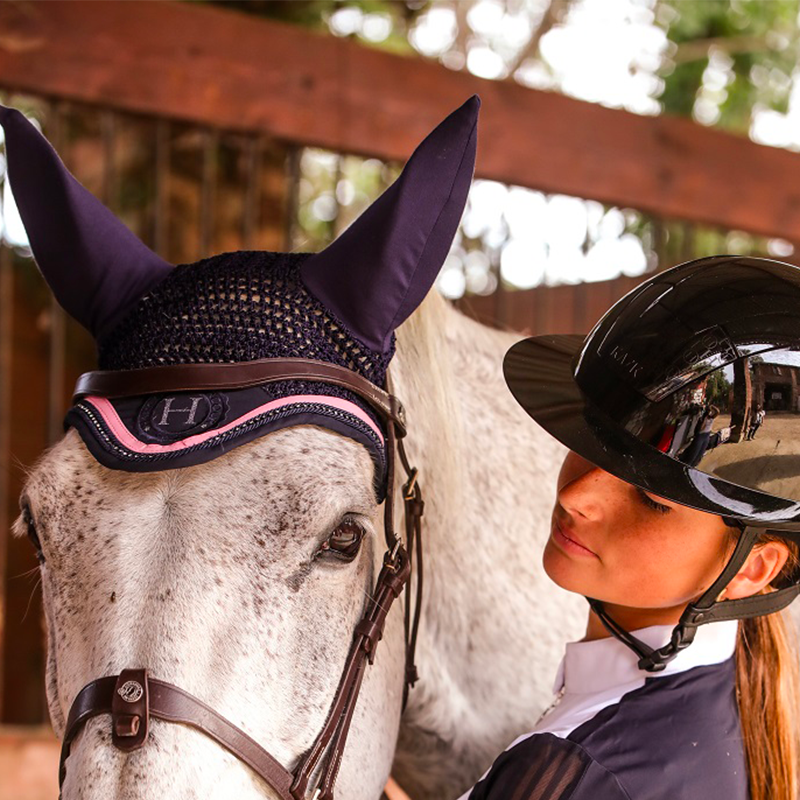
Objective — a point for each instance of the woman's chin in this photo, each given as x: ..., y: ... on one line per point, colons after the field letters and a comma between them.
x: 566, y: 572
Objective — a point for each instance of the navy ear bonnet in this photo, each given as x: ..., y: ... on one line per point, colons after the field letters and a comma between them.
x: 340, y: 306
x: 232, y: 307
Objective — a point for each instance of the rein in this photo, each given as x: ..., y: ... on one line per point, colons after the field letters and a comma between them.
x: 133, y: 697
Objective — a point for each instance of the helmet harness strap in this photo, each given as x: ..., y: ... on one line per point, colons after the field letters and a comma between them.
x: 705, y: 609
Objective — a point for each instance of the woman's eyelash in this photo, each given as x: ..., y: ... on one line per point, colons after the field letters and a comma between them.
x: 650, y: 503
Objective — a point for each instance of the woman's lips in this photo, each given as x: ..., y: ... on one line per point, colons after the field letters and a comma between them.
x: 568, y: 541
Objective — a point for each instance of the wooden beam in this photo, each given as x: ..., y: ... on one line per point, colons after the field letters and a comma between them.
x: 225, y: 69
x: 6, y: 354
x: 23, y: 663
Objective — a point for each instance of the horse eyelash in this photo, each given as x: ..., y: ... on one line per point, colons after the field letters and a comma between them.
x: 33, y: 534
x: 652, y: 504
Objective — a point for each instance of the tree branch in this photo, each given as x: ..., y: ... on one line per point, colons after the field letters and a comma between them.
x: 552, y: 16
x: 698, y: 50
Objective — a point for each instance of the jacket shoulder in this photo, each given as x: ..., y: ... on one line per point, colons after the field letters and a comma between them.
x: 678, y: 737
x: 547, y: 767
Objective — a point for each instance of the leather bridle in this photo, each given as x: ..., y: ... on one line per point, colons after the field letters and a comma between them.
x: 132, y: 698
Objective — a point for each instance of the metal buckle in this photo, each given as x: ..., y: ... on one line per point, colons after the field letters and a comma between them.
x: 408, y: 489
x: 390, y: 559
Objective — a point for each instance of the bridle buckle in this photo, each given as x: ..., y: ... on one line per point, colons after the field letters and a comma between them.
x: 411, y: 483
x: 391, y: 560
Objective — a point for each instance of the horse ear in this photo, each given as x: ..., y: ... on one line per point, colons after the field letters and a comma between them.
x: 95, y: 265
x: 380, y: 269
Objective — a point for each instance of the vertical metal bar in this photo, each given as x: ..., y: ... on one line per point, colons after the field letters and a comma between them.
x: 208, y: 191
x: 161, y: 205
x: 57, y: 343
x: 6, y: 355
x: 292, y: 197
x: 252, y: 193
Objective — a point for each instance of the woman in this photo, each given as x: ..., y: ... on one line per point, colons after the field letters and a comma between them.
x: 700, y: 443
x: 654, y: 702
x: 759, y: 418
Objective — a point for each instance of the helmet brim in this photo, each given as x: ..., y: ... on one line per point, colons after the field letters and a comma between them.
x: 539, y: 372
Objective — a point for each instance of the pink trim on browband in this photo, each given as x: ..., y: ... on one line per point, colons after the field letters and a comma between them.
x: 126, y: 438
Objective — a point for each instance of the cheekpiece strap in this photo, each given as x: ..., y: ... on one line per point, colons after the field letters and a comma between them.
x: 706, y: 609
x: 695, y: 613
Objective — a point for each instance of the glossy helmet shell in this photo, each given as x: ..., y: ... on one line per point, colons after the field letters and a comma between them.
x: 722, y: 331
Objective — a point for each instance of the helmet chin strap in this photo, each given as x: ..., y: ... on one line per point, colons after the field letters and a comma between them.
x: 704, y: 610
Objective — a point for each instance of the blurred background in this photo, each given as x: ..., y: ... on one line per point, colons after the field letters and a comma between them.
x: 618, y: 137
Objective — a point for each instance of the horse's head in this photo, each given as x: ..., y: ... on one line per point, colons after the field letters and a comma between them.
x: 175, y: 535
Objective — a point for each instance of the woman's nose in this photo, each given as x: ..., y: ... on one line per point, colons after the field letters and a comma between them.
x: 585, y: 490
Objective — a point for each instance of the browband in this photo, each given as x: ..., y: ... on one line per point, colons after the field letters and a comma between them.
x: 197, y: 377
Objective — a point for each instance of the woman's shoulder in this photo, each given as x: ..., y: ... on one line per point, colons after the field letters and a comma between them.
x: 546, y: 767
x: 683, y: 728
x: 676, y: 738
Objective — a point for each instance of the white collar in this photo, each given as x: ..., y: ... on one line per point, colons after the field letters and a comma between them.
x: 602, y: 664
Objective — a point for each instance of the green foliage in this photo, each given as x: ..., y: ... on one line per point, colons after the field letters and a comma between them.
x: 309, y: 13
x: 759, y: 39
x: 717, y: 389
x: 681, y: 88
x: 315, y: 14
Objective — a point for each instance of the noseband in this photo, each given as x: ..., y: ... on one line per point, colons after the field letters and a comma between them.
x: 133, y: 697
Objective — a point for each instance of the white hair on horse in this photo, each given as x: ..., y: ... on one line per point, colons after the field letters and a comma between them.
x: 494, y: 624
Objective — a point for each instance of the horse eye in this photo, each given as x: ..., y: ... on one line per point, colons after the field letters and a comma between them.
x: 345, y: 541
x: 33, y: 537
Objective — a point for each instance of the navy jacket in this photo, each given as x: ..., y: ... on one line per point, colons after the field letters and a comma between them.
x: 676, y: 738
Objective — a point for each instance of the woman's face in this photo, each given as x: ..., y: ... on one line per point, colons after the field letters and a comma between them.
x: 611, y: 541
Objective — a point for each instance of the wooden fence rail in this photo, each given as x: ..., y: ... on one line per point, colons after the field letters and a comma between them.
x: 233, y: 71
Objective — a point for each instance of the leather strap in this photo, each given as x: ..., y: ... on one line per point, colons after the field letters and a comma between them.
x: 155, y: 698
x: 91, y: 701
x: 391, y: 581
x: 414, y: 508
x: 130, y: 710
x: 172, y: 704
x: 199, y: 377
x: 755, y: 606
x: 704, y: 610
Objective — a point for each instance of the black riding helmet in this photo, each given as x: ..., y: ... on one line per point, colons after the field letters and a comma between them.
x: 718, y: 334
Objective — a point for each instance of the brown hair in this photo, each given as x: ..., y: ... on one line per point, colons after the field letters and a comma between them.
x: 767, y: 693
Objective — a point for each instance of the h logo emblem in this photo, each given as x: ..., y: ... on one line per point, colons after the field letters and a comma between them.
x: 173, y: 417
x: 191, y: 411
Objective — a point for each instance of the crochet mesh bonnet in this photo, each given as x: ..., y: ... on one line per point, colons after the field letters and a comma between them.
x: 341, y: 305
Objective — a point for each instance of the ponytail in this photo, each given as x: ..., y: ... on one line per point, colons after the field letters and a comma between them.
x: 769, y: 704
